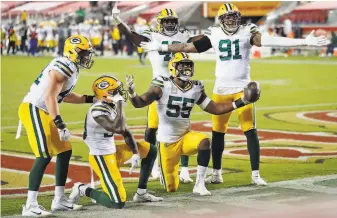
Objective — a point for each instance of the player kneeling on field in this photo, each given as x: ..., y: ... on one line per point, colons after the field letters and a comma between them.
x: 104, y: 119
x: 175, y: 97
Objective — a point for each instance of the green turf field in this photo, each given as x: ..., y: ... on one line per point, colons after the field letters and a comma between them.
x: 291, y: 87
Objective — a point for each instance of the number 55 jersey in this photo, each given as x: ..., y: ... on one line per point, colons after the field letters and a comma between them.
x: 174, y: 108
x: 37, y: 93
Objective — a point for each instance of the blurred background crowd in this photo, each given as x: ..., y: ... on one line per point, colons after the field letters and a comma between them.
x: 40, y: 28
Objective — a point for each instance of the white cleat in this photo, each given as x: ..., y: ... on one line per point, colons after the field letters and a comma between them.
x: 35, y: 211
x: 155, y: 171
x: 76, y: 193
x: 146, y: 197
x: 184, y: 176
x: 201, y: 190
x: 62, y: 204
x: 257, y: 180
x: 214, y: 178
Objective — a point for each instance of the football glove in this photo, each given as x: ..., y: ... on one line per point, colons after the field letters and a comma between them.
x: 311, y: 40
x: 134, y: 161
x: 130, y: 83
x: 115, y: 15
x: 64, y: 133
x: 153, y: 46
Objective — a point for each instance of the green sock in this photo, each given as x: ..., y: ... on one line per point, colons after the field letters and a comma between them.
x: 218, y: 146
x: 103, y: 199
x: 253, y: 145
x: 62, y: 165
x: 146, y: 167
x: 184, y: 161
x: 36, y: 173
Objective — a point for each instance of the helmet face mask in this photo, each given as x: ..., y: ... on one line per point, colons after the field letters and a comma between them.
x: 169, y: 25
x: 230, y: 21
x: 184, y: 69
x: 84, y: 58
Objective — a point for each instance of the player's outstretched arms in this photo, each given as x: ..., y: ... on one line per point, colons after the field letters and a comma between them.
x: 75, y: 98
x: 124, y: 28
x: 271, y: 41
x: 116, y: 125
x: 152, y: 94
x: 251, y: 94
x: 198, y: 46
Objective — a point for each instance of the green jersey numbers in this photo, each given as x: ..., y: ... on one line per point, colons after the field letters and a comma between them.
x: 167, y: 55
x: 174, y: 108
x: 225, y: 46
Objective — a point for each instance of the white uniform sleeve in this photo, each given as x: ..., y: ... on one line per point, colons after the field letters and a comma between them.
x: 147, y: 33
x: 158, y: 82
x: 63, y: 68
x: 99, y: 110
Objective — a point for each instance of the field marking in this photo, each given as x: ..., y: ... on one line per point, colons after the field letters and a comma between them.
x: 202, y: 112
x: 301, y: 115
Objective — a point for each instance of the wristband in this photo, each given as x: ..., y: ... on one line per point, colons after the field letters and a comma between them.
x: 134, y: 94
x: 205, y: 103
x: 238, y: 103
x: 59, y: 122
x: 89, y: 98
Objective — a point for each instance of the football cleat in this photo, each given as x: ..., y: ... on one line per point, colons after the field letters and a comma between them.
x: 257, y: 180
x: 215, y: 177
x: 62, y: 204
x: 35, y: 211
x: 201, y: 189
x: 76, y: 193
x: 185, y: 175
x: 146, y: 197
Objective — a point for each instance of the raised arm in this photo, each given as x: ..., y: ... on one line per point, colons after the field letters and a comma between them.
x: 75, y: 98
x: 152, y: 94
x: 200, y: 45
x: 251, y: 95
x: 259, y: 40
x: 131, y: 35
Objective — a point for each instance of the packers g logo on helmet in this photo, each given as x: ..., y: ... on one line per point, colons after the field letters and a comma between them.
x: 181, y: 66
x: 79, y: 50
x: 229, y: 17
x: 108, y: 86
x: 167, y: 22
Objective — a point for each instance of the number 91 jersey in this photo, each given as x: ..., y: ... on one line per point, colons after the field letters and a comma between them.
x: 159, y: 60
x: 232, y: 56
x: 37, y: 92
x: 174, y: 107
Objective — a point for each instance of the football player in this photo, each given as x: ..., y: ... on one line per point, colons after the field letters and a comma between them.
x: 232, y: 43
x: 104, y: 119
x: 167, y: 33
x: 48, y: 134
x: 175, y: 96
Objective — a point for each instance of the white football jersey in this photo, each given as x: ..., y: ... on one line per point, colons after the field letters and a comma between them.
x: 41, y: 33
x: 159, y: 60
x: 174, y: 108
x: 73, y: 30
x: 85, y: 30
x: 99, y: 140
x: 232, y: 57
x: 49, y: 32
x: 95, y: 31
x: 37, y: 93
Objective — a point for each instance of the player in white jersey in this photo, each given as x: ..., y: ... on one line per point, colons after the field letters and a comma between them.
x: 232, y: 43
x: 41, y: 37
x: 176, y: 97
x: 104, y: 119
x: 73, y: 28
x: 48, y: 135
x: 84, y: 29
x: 50, y: 28
x: 96, y: 34
x: 167, y: 33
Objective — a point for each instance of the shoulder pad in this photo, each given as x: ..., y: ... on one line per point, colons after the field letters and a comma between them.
x: 252, y: 28
x: 158, y: 81
x: 198, y: 83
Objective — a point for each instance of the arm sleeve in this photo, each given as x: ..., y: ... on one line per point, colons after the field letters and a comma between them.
x: 158, y: 82
x: 203, y: 44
